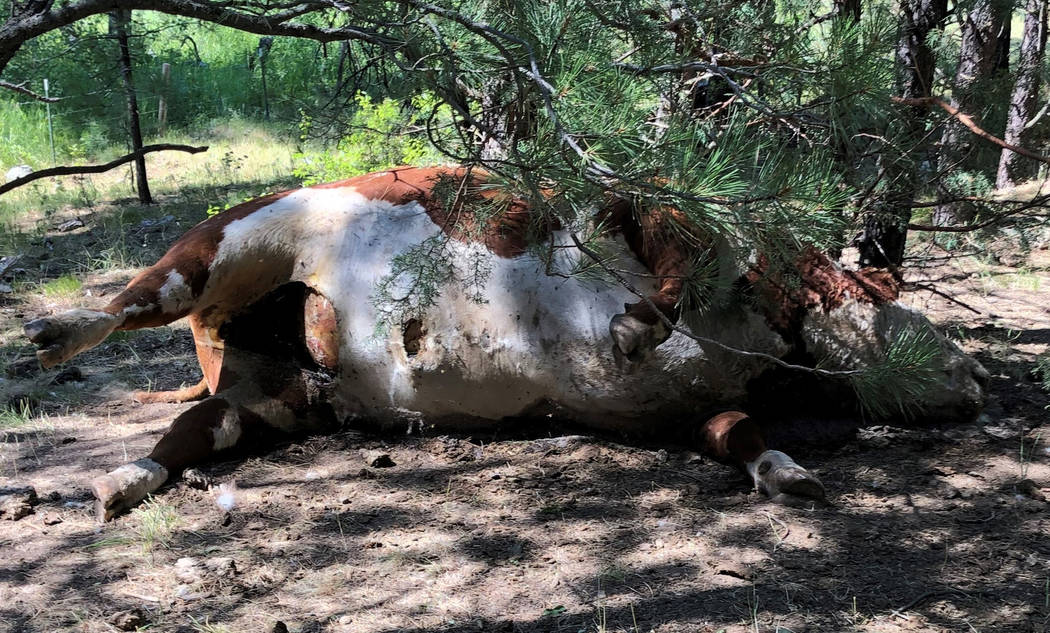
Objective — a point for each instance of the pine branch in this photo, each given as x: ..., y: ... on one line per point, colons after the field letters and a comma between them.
x: 696, y: 337
x: 69, y: 170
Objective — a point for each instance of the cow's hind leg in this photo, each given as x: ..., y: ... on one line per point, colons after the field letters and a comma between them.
x: 194, y: 436
x: 258, y: 396
x: 735, y: 438
x: 157, y: 296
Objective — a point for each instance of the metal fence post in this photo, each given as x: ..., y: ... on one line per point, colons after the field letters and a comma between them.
x: 50, y: 125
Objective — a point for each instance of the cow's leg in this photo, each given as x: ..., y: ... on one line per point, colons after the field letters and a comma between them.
x: 655, y: 235
x: 63, y: 336
x: 209, y: 347
x: 218, y: 423
x: 255, y: 394
x: 156, y: 296
x: 192, y: 437
x: 733, y: 437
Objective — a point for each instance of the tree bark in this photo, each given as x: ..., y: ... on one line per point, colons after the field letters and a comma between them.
x: 885, y: 228
x: 1012, y: 167
x: 118, y: 21
x: 979, y: 57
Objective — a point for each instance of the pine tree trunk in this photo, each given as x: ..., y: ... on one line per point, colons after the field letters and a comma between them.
x: 979, y: 56
x: 118, y: 21
x: 1012, y: 167
x: 881, y: 242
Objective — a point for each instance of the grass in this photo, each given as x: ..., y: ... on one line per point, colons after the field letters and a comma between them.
x: 65, y: 287
x: 16, y: 417
x: 244, y: 159
x: 1025, y: 456
x: 155, y: 524
x: 206, y: 626
x: 27, y: 431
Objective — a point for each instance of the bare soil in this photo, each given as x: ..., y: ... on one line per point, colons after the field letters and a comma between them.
x: 930, y: 529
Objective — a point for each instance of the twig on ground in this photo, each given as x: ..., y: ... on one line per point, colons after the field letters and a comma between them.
x: 939, y: 293
x: 929, y: 594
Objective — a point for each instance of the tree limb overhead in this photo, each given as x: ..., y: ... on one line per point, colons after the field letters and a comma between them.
x: 69, y: 170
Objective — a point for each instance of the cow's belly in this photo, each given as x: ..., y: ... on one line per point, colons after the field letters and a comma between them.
x: 501, y: 337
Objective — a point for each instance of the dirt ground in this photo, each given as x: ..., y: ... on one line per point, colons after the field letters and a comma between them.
x: 931, y: 529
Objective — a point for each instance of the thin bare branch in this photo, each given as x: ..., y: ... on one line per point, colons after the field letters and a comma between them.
x: 26, y: 91
x: 69, y: 170
x: 970, y: 124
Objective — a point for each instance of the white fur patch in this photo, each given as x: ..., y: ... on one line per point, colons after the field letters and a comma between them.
x: 175, y: 295
x: 228, y: 431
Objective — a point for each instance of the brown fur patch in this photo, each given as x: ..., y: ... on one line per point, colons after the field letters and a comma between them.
x: 198, y: 391
x: 455, y: 207
x: 190, y: 438
x: 816, y: 282
x: 209, y: 349
x: 190, y: 256
x: 654, y: 237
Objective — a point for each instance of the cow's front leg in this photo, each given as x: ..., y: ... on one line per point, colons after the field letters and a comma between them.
x: 733, y: 437
x: 213, y: 425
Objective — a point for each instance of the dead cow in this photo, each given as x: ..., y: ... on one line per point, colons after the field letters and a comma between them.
x: 391, y: 298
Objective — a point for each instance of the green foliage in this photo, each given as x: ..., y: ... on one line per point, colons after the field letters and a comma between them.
x: 415, y: 281
x: 1042, y: 372
x: 894, y: 384
x: 968, y: 183
x: 380, y: 134
x: 16, y: 416
x: 154, y: 524
x: 24, y: 136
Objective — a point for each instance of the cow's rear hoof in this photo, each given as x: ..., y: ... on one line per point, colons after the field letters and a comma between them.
x: 62, y: 336
x: 123, y: 488
x: 778, y: 476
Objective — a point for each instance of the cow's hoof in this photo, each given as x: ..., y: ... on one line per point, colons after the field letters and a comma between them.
x: 778, y: 477
x: 125, y: 487
x: 633, y: 339
x: 63, y: 336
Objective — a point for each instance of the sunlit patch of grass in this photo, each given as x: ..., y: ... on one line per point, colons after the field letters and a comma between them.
x: 206, y: 626
x: 18, y: 416
x: 65, y: 287
x: 240, y: 153
x: 155, y: 524
x: 110, y: 541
